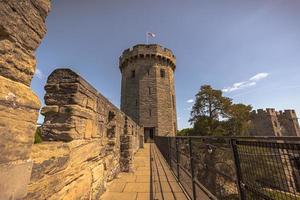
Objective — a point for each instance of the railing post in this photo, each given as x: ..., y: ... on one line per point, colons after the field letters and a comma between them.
x: 192, y: 168
x: 237, y: 168
x: 169, y: 152
x: 177, y: 157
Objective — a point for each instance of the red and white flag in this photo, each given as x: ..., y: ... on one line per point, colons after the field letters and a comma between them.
x: 151, y: 34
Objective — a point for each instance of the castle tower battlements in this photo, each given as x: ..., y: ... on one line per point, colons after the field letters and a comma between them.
x: 289, y: 122
x: 147, y: 51
x: 270, y: 122
x: 148, y: 92
x: 265, y: 123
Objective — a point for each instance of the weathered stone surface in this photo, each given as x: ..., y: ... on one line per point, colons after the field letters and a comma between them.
x: 50, y: 186
x: 22, y: 27
x: 289, y: 123
x: 49, y: 158
x: 76, y: 110
x: 80, y: 188
x: 14, y: 179
x: 75, y: 113
x: 73, y: 170
x: 18, y: 114
x: 50, y: 109
x: 101, y: 141
x: 272, y: 123
x: 61, y: 170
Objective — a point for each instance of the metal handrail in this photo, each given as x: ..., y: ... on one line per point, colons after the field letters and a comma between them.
x: 239, y: 151
x: 297, y: 138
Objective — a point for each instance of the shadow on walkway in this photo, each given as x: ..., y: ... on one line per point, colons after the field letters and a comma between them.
x: 151, y: 179
x: 165, y: 186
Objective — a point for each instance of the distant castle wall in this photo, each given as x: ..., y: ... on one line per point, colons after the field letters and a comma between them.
x: 88, y: 141
x: 272, y: 123
x: 289, y: 122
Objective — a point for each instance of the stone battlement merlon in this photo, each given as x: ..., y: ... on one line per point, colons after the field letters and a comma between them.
x: 269, y: 111
x: 144, y: 51
x: 289, y: 112
x: 73, y: 100
x: 67, y: 76
x: 275, y: 123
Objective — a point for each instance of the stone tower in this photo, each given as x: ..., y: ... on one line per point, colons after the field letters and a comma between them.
x: 271, y: 123
x: 265, y: 123
x: 289, y: 122
x: 148, y: 94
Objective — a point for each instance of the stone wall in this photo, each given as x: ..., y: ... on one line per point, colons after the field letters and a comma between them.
x: 289, y: 122
x: 265, y: 123
x: 88, y: 141
x: 22, y: 27
x: 272, y: 123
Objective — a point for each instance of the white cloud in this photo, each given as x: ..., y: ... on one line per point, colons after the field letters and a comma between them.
x: 239, y: 84
x: 245, y: 84
x: 190, y: 101
x: 39, y: 74
x: 259, y: 76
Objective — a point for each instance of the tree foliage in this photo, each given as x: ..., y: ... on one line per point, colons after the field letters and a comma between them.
x: 239, y: 119
x: 37, y: 136
x: 185, y: 132
x: 214, y: 114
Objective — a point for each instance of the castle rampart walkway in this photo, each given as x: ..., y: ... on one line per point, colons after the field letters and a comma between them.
x: 151, y: 179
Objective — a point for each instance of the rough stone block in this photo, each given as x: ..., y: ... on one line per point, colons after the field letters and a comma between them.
x: 83, y: 115
x: 22, y: 27
x: 14, y: 179
x: 49, y: 109
x: 75, y: 189
x: 18, y: 114
x: 84, y: 150
x: 83, y: 112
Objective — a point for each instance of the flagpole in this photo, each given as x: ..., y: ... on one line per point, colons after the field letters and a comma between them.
x: 147, y: 38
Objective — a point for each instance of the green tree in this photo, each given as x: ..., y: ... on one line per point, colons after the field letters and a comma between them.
x: 208, y: 111
x: 239, y: 120
x: 185, y: 132
x: 216, y: 115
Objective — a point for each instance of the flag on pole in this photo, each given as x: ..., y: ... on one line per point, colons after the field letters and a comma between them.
x: 151, y: 34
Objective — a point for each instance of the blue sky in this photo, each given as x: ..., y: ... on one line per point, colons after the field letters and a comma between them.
x: 250, y: 49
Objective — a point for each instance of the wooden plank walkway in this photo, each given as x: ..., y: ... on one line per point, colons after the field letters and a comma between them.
x: 151, y: 180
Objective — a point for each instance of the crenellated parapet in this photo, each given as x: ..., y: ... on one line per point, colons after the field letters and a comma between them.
x: 87, y: 141
x: 267, y: 111
x: 143, y: 51
x: 288, y: 114
x: 275, y: 123
x: 76, y: 110
x: 289, y: 122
